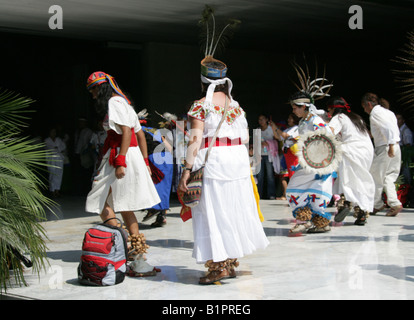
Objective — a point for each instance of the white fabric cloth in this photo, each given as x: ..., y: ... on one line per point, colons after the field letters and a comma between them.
x: 226, y: 223
x: 293, y: 135
x: 135, y: 191
x: 354, y: 178
x: 384, y: 126
x: 266, y: 134
x: 385, y: 171
x: 212, y: 87
x: 58, y: 147
x: 221, y: 159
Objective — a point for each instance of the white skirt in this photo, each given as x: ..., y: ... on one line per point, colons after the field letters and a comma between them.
x: 135, y: 191
x: 354, y: 178
x: 226, y: 223
x: 304, y: 190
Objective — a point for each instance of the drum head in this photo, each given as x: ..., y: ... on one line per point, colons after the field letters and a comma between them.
x: 319, y: 152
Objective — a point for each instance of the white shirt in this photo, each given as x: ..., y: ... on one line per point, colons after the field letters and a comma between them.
x: 266, y: 134
x: 293, y: 134
x: 346, y: 130
x: 406, y: 136
x: 384, y: 127
x: 120, y: 113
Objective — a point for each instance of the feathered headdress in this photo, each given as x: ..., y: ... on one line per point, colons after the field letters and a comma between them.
x: 315, y: 87
x: 170, y: 118
x: 212, y: 40
x: 142, y: 116
x: 405, y: 74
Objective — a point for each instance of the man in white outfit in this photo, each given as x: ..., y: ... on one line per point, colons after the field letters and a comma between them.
x: 386, y: 165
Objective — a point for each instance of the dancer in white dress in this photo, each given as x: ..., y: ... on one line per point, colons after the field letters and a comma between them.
x: 354, y: 183
x: 123, y: 182
x: 226, y: 222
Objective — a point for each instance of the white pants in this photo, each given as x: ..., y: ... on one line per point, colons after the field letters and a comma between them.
x: 385, y: 171
x: 55, y: 174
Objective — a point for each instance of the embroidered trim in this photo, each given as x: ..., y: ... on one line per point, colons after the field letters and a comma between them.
x: 199, y: 110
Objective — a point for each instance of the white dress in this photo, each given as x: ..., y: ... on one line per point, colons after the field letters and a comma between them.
x: 354, y: 179
x: 226, y: 223
x: 135, y: 191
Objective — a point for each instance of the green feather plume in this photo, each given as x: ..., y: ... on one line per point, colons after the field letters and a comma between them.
x: 213, y: 41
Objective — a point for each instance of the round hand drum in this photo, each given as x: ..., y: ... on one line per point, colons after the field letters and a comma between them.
x: 319, y: 152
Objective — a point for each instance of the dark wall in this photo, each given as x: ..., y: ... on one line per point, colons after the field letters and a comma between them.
x: 165, y: 77
x: 53, y: 72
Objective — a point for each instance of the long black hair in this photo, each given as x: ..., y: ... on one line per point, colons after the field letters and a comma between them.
x: 105, y: 92
x: 356, y: 119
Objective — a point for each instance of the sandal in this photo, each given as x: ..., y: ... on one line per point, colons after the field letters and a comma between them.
x: 231, y: 265
x: 300, y: 228
x: 344, y: 207
x: 160, y: 221
x: 394, y: 211
x: 361, y: 216
x: 216, y: 272
x: 140, y: 268
x: 375, y: 211
x: 150, y: 214
x: 320, y: 229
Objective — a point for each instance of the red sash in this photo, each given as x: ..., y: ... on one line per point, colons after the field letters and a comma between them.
x: 221, y: 142
x: 113, y: 141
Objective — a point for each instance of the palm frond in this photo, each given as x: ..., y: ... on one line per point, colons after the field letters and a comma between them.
x: 13, y: 109
x: 404, y: 74
x: 22, y: 203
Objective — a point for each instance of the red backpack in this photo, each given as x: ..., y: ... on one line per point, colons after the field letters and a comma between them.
x: 104, y: 256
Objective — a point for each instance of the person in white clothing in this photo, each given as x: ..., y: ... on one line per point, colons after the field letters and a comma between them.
x: 386, y: 164
x: 226, y: 221
x: 270, y: 163
x: 57, y: 148
x: 308, y: 193
x: 123, y: 182
x: 354, y: 183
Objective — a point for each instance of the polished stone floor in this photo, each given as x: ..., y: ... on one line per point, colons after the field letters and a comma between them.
x: 375, y: 261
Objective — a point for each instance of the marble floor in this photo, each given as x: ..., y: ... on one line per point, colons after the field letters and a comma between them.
x: 375, y: 261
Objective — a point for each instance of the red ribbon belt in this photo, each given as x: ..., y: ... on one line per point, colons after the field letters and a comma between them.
x: 221, y: 142
x: 113, y: 141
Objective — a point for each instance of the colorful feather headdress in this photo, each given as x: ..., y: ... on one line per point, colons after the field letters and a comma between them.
x: 315, y: 87
x: 213, y: 41
x: 99, y: 77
